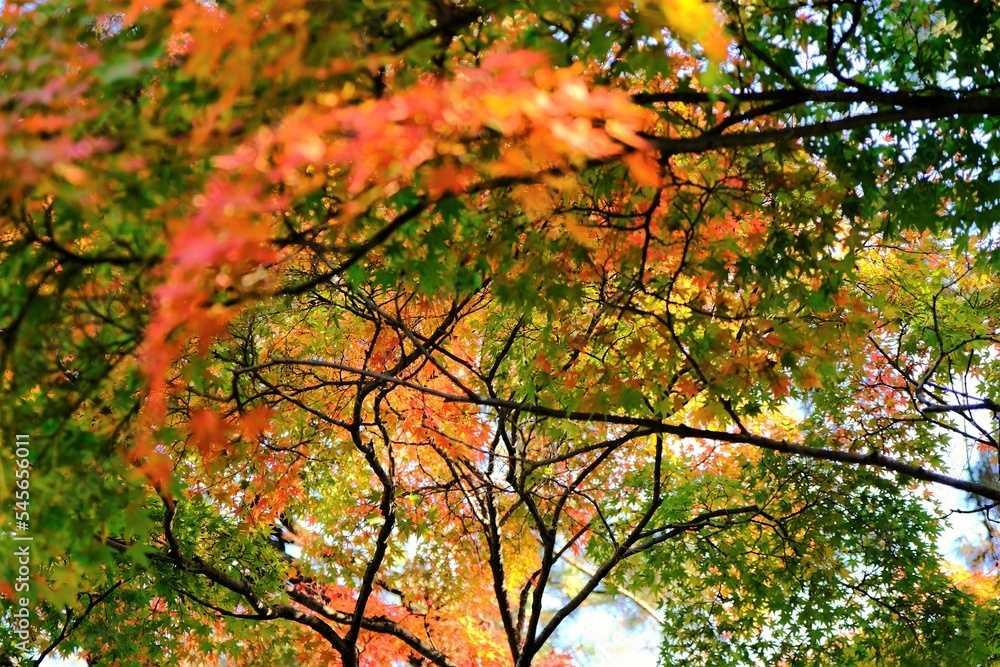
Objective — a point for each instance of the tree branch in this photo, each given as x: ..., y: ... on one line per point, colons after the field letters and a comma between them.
x: 873, y: 459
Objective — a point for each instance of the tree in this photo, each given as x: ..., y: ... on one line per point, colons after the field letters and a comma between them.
x: 336, y: 330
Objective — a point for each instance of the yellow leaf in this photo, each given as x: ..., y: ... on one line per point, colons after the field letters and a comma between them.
x: 696, y: 21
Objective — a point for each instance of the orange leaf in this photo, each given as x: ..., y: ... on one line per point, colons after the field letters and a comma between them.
x: 255, y: 422
x: 644, y: 169
x: 810, y: 380
x: 779, y: 385
x: 449, y: 178
x: 208, y: 432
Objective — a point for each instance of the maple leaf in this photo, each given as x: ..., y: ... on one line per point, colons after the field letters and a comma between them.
x: 208, y: 432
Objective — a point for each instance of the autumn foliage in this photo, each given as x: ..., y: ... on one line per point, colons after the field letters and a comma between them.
x: 343, y: 331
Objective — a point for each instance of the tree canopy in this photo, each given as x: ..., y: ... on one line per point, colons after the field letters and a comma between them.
x: 337, y: 332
